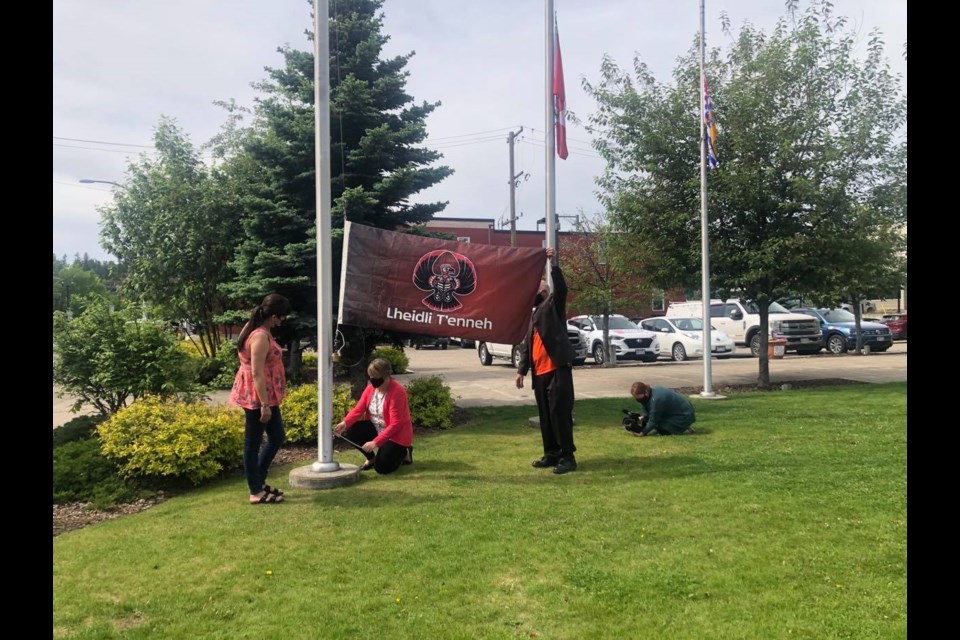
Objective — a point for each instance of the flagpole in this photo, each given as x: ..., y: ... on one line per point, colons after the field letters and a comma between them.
x: 549, y: 128
x: 321, y: 101
x: 704, y: 234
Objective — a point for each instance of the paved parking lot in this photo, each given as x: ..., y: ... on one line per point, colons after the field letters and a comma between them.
x: 475, y: 385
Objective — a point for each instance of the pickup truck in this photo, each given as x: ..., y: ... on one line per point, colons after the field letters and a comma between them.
x: 740, y: 319
x: 488, y: 351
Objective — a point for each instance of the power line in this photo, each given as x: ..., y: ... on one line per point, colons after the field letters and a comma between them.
x: 115, y: 144
x: 70, y: 146
x: 477, y: 133
x: 465, y: 143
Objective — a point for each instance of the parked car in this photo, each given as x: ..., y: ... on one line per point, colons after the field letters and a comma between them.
x: 682, y: 338
x: 740, y: 319
x: 839, y: 328
x: 897, y: 323
x: 487, y: 351
x: 629, y: 340
x: 419, y: 342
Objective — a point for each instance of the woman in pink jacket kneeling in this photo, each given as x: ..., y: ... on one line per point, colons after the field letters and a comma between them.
x: 381, y: 421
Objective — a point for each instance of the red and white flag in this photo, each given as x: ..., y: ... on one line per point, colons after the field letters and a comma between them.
x: 559, y: 97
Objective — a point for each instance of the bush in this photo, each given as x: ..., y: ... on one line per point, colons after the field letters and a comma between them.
x: 309, y: 360
x: 214, y: 373
x: 227, y: 362
x: 299, y: 411
x: 398, y: 359
x: 173, y: 439
x: 79, y: 428
x: 82, y: 474
x: 102, y: 358
x: 431, y: 405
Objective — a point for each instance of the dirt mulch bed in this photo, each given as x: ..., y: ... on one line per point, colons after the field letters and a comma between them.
x: 76, y: 515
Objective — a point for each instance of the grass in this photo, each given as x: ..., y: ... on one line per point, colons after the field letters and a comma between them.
x: 784, y: 518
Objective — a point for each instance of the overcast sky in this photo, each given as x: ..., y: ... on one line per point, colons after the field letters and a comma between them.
x: 119, y: 65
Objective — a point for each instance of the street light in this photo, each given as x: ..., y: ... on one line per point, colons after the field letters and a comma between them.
x: 89, y: 181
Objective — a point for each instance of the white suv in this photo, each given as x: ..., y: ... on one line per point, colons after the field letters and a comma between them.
x: 628, y: 339
x: 487, y: 351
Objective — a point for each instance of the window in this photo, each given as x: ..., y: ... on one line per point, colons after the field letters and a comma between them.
x: 465, y: 239
x: 716, y: 310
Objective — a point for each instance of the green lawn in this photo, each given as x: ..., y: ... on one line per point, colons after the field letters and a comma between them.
x: 785, y: 517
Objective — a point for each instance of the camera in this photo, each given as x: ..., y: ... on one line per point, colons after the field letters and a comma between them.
x: 631, y: 421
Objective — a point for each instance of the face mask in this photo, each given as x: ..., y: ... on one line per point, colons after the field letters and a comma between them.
x: 376, y: 382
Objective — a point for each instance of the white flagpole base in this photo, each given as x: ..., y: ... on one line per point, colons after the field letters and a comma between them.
x: 309, y: 477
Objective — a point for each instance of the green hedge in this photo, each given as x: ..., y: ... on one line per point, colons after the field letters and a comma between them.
x: 172, y: 439
x: 397, y: 358
x: 431, y: 405
x: 299, y: 411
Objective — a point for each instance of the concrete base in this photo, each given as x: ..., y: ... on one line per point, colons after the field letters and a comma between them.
x: 307, y: 478
x: 713, y: 396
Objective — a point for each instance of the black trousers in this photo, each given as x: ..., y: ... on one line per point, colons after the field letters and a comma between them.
x: 554, y: 394
x: 388, y: 457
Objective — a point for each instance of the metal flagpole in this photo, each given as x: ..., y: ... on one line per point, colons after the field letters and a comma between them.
x: 704, y: 234
x: 549, y: 127
x: 321, y: 101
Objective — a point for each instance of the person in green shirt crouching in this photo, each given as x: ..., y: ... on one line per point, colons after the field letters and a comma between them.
x: 664, y: 411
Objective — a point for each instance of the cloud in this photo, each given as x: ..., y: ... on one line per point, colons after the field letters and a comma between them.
x: 119, y: 66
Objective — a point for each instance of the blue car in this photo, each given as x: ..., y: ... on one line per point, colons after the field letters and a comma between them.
x: 839, y: 330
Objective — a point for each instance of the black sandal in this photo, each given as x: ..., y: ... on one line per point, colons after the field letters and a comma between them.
x: 367, y: 465
x: 268, y: 498
x: 274, y: 490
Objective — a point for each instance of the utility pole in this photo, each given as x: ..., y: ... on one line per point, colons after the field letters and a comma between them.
x: 513, y: 190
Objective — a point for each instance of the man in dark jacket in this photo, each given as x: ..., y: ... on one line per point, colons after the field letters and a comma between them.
x: 547, y: 353
x: 664, y: 411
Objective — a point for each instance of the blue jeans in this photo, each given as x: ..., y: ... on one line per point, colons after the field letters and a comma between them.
x: 256, y: 461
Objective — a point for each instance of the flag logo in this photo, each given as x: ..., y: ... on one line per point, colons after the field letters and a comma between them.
x: 709, y: 127
x: 445, y: 275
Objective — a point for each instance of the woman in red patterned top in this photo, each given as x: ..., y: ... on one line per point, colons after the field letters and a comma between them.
x: 259, y: 388
x: 386, y: 421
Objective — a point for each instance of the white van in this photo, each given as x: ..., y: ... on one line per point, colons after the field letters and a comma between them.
x: 740, y: 319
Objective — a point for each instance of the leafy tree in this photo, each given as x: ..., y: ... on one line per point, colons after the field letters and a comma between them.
x: 173, y: 226
x: 376, y: 162
x: 874, y: 253
x: 809, y: 138
x: 103, y: 358
x: 72, y: 285
x: 605, y: 272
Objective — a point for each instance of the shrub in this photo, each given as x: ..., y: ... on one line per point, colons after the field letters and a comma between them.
x: 79, y: 428
x: 431, y: 405
x: 156, y: 439
x: 82, y: 474
x: 227, y: 362
x: 397, y: 358
x: 309, y: 359
x: 299, y: 411
x: 102, y: 358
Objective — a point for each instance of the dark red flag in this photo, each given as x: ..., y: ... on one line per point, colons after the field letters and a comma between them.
x: 412, y: 284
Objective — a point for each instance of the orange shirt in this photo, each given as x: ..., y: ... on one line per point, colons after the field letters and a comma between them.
x: 541, y: 359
